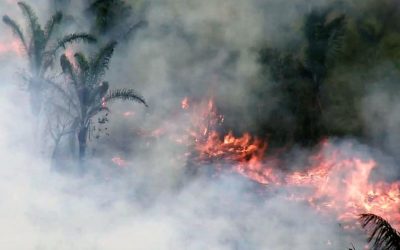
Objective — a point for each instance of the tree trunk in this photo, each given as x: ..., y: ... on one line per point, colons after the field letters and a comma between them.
x: 82, y: 140
x: 310, y: 130
x: 315, y: 132
x: 35, y: 93
x: 55, y: 149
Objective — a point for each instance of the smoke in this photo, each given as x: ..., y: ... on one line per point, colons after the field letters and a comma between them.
x: 189, y: 48
x: 380, y: 114
x: 138, y: 209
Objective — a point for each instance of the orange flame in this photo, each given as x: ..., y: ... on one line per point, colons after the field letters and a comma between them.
x: 185, y: 103
x: 333, y: 183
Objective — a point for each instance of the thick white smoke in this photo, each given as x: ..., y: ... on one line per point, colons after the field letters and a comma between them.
x: 187, y: 45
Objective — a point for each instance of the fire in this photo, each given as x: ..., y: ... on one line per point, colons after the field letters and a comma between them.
x: 185, y: 103
x: 340, y: 185
x: 334, y: 182
x: 119, y: 161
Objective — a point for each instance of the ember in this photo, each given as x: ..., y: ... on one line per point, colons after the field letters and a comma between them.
x: 185, y: 103
x: 119, y: 161
x: 128, y: 113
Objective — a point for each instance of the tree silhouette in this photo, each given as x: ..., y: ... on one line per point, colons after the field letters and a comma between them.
x: 300, y: 73
x: 91, y: 93
x: 40, y: 48
x: 382, y: 235
x: 324, y: 41
x: 114, y: 18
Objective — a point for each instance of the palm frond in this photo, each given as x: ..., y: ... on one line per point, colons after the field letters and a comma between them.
x: 83, y: 66
x: 101, y: 61
x: 124, y: 95
x: 324, y: 40
x: 133, y: 29
x: 68, y: 68
x: 82, y: 61
x: 314, y: 22
x: 382, y: 234
x: 75, y: 37
x: 31, y: 16
x: 337, y: 23
x: 37, y: 42
x: 16, y: 29
x: 50, y: 25
x: 336, y: 32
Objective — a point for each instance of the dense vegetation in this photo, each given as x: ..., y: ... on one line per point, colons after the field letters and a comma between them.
x: 323, y: 80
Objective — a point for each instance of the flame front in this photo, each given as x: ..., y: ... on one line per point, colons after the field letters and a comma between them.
x: 334, y: 182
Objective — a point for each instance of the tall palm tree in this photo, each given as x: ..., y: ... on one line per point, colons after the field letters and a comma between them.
x: 323, y: 41
x: 382, y: 234
x: 40, y: 48
x: 301, y: 71
x: 91, y: 94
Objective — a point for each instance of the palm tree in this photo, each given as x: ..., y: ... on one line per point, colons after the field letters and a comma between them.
x: 90, y: 92
x: 382, y: 234
x: 323, y: 42
x: 301, y: 71
x: 115, y: 18
x: 40, y: 49
x: 323, y: 38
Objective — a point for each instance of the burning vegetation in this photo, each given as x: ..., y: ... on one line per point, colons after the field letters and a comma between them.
x: 253, y: 139
x: 334, y: 181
